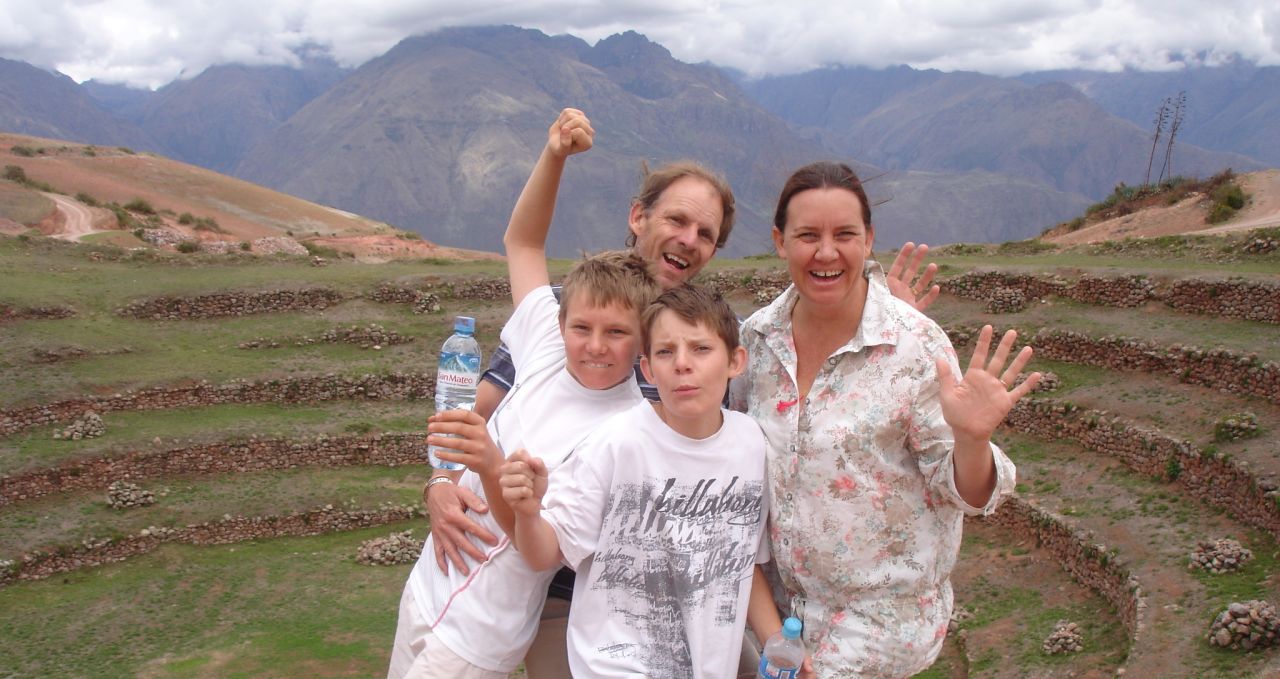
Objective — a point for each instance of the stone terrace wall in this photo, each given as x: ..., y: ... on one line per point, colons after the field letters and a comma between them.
x: 1238, y: 299
x: 10, y: 313
x: 1219, y: 481
x: 480, y: 288
x: 1089, y: 563
x: 1255, y: 301
x: 44, y: 563
x: 1219, y: 369
x: 215, y: 458
x: 293, y: 390
x: 235, y: 303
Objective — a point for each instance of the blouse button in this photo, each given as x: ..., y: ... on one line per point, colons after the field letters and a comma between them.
x: 832, y: 361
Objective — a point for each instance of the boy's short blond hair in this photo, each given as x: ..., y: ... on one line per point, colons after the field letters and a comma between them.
x: 612, y: 277
x: 695, y: 305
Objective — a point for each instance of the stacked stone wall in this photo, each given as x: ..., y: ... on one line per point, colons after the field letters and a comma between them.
x: 1219, y: 481
x: 1235, y: 298
x: 489, y: 288
x: 1091, y: 564
x: 1220, y: 369
x: 10, y: 313
x: 234, y: 303
x: 215, y: 458
x: 393, y: 386
x: 41, y: 564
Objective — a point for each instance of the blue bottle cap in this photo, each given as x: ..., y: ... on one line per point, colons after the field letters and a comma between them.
x: 464, y: 324
x: 791, y: 628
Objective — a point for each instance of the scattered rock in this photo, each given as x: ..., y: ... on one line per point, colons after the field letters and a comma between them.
x: 1220, y: 556
x: 396, y: 548
x: 1246, y: 626
x: 123, y: 495
x: 90, y: 426
x: 279, y: 245
x: 1236, y: 426
x: 1065, y: 638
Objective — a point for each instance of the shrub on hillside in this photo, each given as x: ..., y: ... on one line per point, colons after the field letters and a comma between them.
x: 25, y: 151
x: 87, y: 199
x: 123, y: 218
x: 15, y: 173
x: 126, y: 149
x: 140, y: 206
x: 188, y: 246
x: 186, y: 218
x: 321, y: 251
x: 207, y: 224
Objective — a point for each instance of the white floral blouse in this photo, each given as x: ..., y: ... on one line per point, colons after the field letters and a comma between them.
x: 865, y: 521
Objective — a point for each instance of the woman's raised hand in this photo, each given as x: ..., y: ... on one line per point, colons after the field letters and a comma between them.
x: 571, y: 133
x: 902, y: 277
x: 976, y: 405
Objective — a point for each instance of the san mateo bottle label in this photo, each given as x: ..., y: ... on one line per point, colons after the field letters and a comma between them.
x: 459, y: 370
x: 771, y: 672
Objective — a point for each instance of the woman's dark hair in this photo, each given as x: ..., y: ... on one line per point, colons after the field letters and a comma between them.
x: 821, y: 175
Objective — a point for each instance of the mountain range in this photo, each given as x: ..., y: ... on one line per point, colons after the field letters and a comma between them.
x: 438, y: 134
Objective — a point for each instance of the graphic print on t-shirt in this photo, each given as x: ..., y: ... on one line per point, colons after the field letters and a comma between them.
x: 674, y: 553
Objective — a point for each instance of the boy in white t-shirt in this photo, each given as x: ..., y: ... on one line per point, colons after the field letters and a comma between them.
x: 573, y: 369
x: 661, y: 511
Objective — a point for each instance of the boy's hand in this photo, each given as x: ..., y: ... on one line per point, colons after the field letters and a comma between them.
x: 524, y: 482
x: 904, y: 269
x: 571, y: 133
x: 472, y: 446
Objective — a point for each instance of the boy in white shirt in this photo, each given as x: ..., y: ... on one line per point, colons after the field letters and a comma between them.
x: 573, y: 369
x: 661, y: 510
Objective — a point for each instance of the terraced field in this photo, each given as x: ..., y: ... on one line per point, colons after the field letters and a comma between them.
x: 271, y: 465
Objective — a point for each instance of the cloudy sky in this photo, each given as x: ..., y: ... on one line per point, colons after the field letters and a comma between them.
x: 150, y: 42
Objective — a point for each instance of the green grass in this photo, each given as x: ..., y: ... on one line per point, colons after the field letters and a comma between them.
x: 66, y: 519
x: 1030, y: 619
x: 295, y: 607
x: 136, y: 430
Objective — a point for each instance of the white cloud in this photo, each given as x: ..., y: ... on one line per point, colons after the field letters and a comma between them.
x: 149, y: 42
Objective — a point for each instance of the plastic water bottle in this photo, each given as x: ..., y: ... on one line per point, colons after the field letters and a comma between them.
x: 783, y: 653
x: 457, y: 377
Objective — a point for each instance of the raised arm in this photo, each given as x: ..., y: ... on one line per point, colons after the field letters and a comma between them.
x: 977, y: 404
x: 526, y: 237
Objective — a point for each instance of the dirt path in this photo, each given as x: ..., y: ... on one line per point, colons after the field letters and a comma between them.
x: 78, y: 219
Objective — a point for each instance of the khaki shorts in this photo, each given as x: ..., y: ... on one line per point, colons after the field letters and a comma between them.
x: 418, y: 654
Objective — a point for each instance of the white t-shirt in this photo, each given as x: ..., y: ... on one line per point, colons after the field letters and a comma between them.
x: 664, y: 532
x: 489, y: 617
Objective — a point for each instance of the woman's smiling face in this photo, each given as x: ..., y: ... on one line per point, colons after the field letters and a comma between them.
x: 826, y: 243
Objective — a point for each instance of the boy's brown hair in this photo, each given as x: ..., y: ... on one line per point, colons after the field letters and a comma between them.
x: 611, y: 277
x: 695, y: 305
